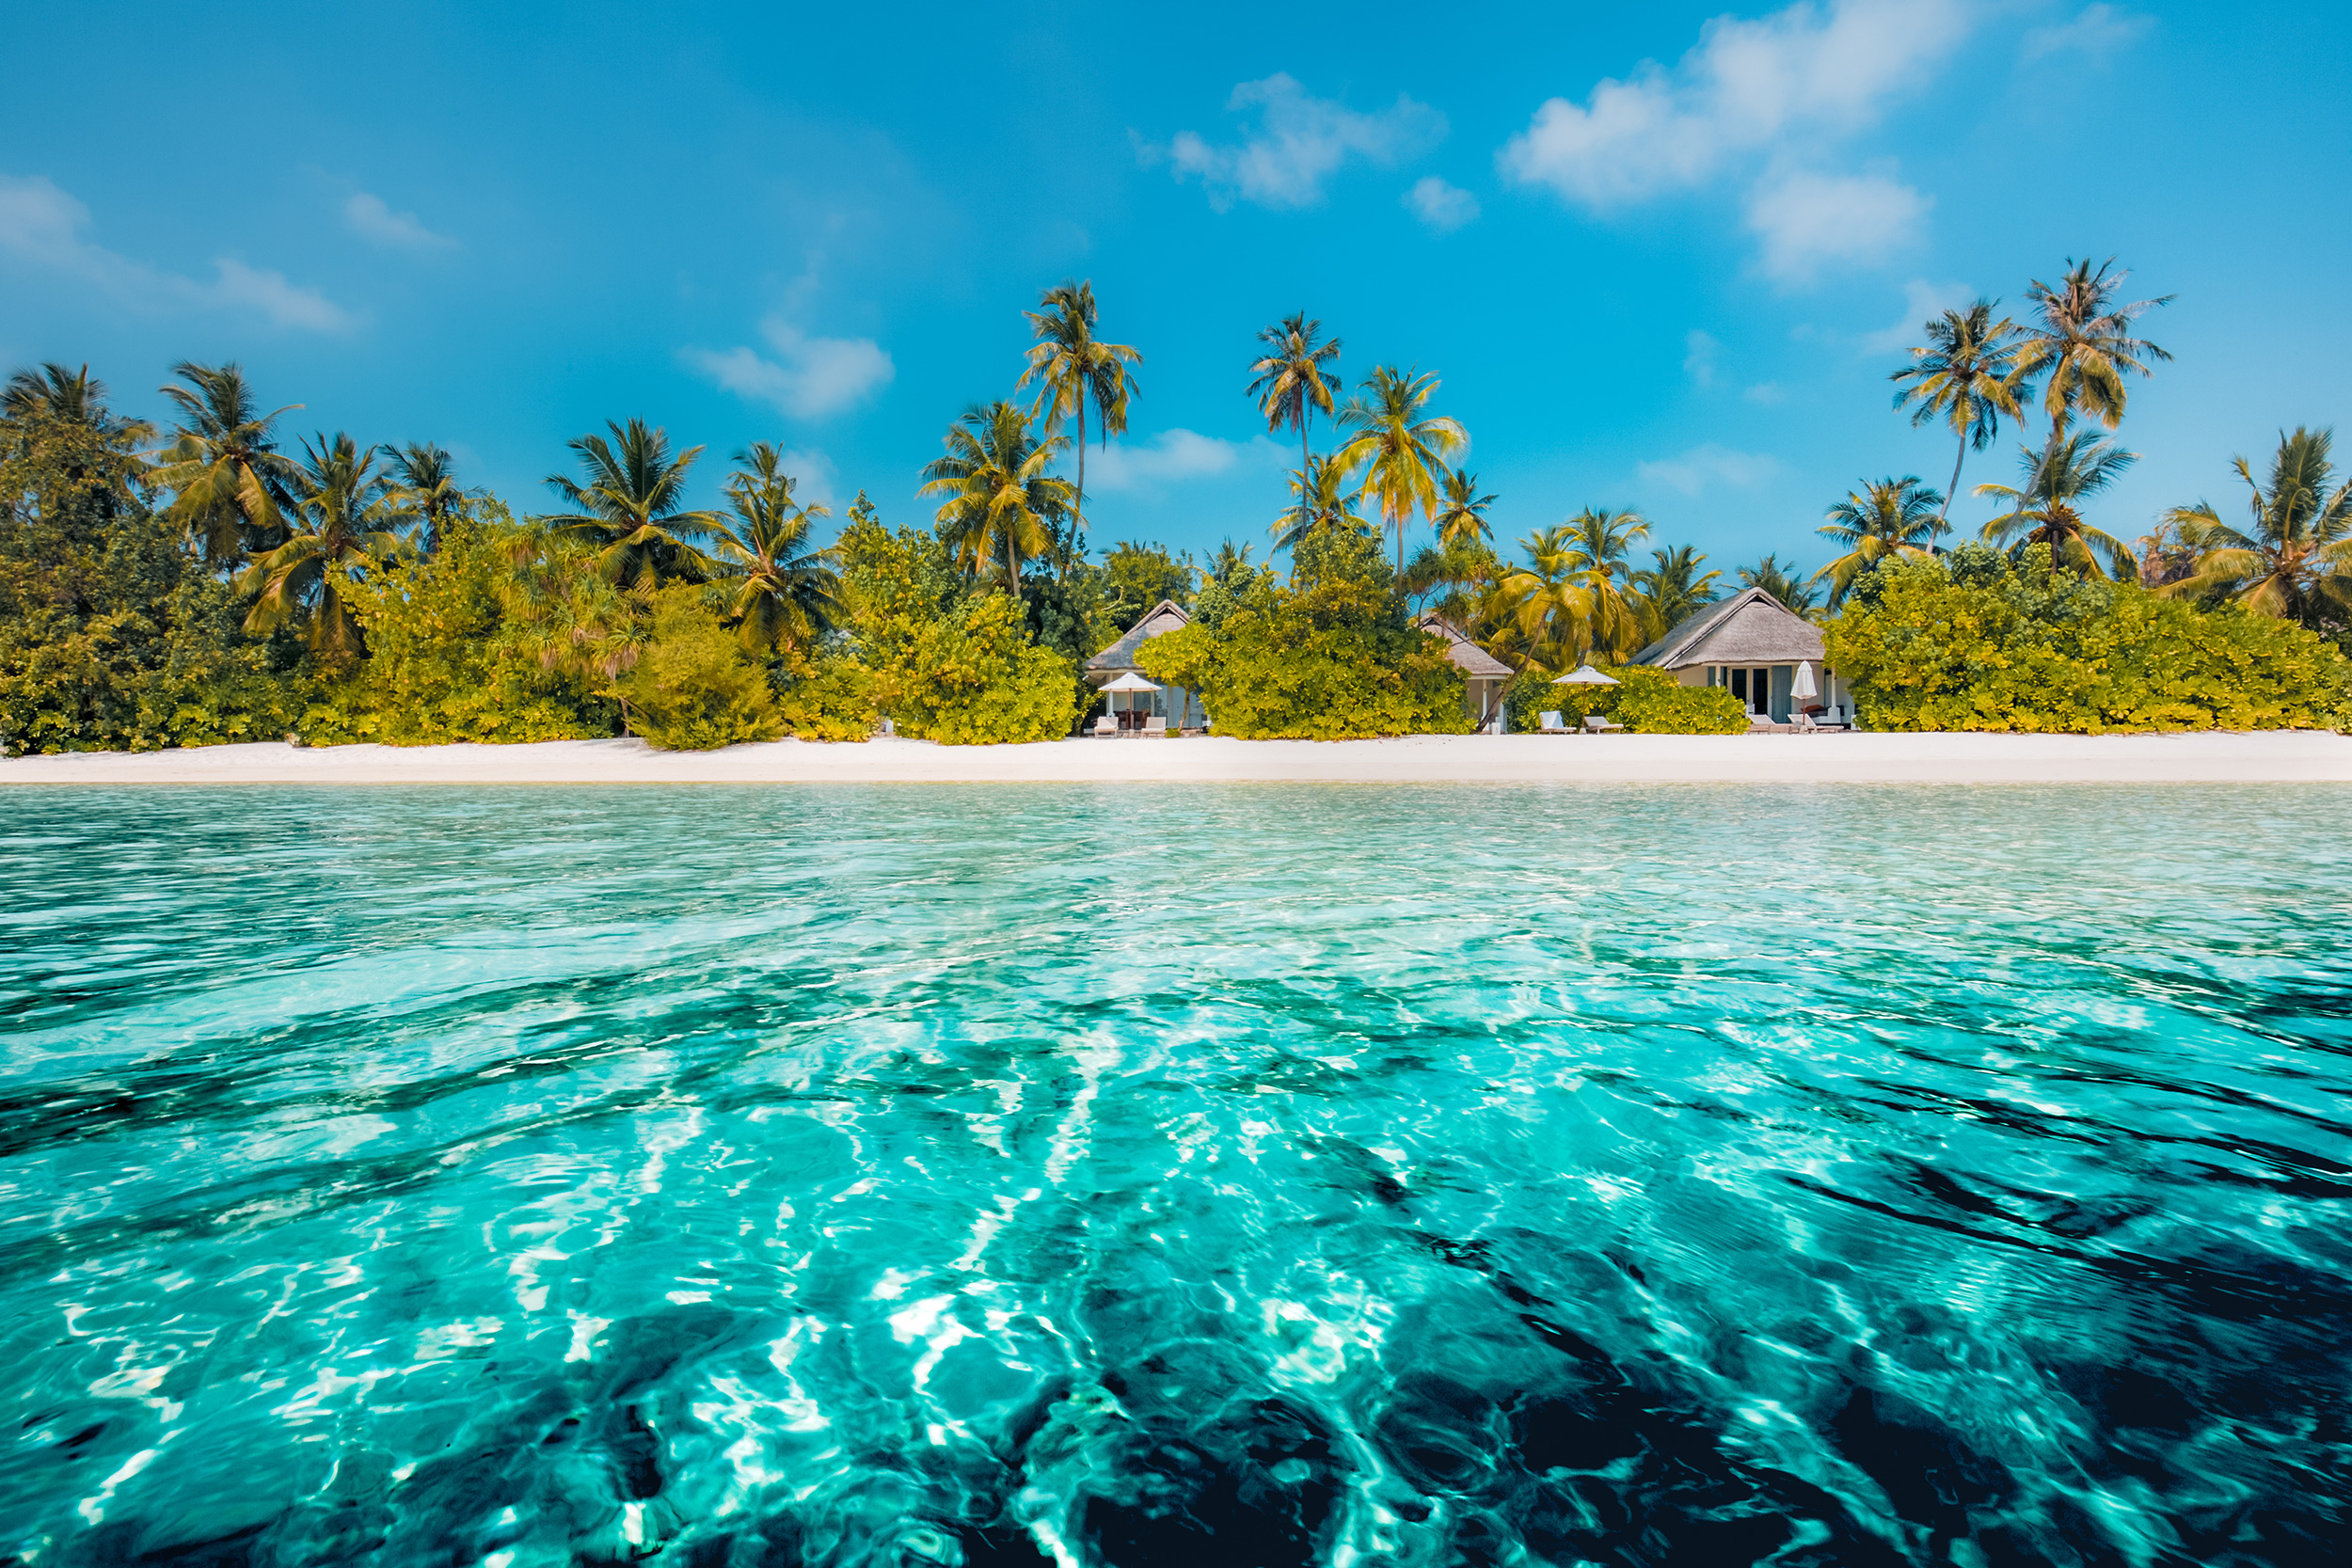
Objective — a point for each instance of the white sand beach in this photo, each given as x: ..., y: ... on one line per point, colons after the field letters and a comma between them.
x: 2275, y: 756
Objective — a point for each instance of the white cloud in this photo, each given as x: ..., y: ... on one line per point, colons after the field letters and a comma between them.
x: 377, y: 224
x: 815, y: 480
x: 1172, y: 457
x: 1922, y: 301
x: 809, y: 377
x: 1698, y: 361
x: 42, y: 225
x: 1745, y: 85
x: 1771, y: 394
x: 1442, y: 207
x: 2098, y: 31
x: 1709, y: 464
x: 1807, y: 219
x: 1301, y: 142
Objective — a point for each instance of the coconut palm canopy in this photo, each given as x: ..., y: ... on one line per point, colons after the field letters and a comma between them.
x: 633, y: 505
x: 340, y: 519
x: 1003, y: 500
x: 2293, y: 556
x: 1885, y: 519
x: 231, y: 485
x: 2046, y: 506
x: 1400, y: 447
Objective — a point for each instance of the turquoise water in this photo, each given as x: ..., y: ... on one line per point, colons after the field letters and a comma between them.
x: 748, y: 1178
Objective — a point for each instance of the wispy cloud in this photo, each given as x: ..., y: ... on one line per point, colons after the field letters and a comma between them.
x: 1701, y: 352
x: 1757, y: 98
x: 1442, y: 207
x: 2097, y: 31
x: 44, y: 225
x: 1707, y: 465
x: 1922, y: 301
x: 1173, y: 457
x: 376, y: 223
x: 1806, y: 220
x: 1299, y: 142
x: 807, y: 378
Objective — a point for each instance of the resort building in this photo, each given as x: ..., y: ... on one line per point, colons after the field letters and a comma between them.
x: 1752, y: 643
x: 1484, y: 676
x: 1180, y: 707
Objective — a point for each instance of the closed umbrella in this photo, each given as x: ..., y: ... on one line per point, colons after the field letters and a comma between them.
x: 1804, y: 687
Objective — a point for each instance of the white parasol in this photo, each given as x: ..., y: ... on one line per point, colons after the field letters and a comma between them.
x: 1585, y: 674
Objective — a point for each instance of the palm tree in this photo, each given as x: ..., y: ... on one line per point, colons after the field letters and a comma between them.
x: 1463, y: 516
x: 1401, y: 448
x: 1966, y: 376
x: 341, y: 511
x: 1797, y: 594
x: 424, y: 489
x: 1075, y: 370
x: 1549, y: 598
x: 2045, y: 508
x: 789, y: 593
x: 999, y: 495
x: 1673, y: 590
x: 1885, y: 519
x: 2293, y: 559
x: 631, y: 506
x: 36, y: 404
x: 1324, y: 500
x: 232, y: 484
x: 1602, y: 540
x: 2083, y: 340
x: 1231, y: 562
x: 1291, y: 383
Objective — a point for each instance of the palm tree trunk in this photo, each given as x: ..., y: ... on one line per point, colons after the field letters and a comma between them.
x: 1078, y: 522
x: 1012, y: 563
x: 1954, y: 490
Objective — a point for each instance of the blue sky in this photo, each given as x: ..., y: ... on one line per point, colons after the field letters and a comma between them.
x: 1662, y: 257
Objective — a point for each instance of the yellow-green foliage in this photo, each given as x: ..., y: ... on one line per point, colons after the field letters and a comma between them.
x: 1972, y: 643
x: 827, y: 696
x: 1645, y: 701
x: 445, y: 660
x: 692, y: 689
x: 1269, y: 672
x: 972, y: 677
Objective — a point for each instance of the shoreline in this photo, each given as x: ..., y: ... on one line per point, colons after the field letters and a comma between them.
x: 2275, y: 756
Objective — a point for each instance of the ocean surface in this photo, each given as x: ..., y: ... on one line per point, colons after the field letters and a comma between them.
x: 745, y: 1177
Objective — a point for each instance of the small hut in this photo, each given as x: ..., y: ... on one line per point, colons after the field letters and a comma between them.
x: 1180, y: 706
x: 1484, y: 676
x: 1752, y: 643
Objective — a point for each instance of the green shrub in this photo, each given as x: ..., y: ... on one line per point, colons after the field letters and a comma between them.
x: 825, y: 696
x: 1645, y: 701
x: 972, y: 677
x: 1971, y: 642
x: 692, y: 689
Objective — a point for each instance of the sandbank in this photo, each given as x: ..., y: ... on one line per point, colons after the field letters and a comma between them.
x: 2273, y: 756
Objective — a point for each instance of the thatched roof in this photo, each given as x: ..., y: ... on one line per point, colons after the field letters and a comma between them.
x: 1163, y: 616
x: 1468, y: 656
x: 1750, y: 627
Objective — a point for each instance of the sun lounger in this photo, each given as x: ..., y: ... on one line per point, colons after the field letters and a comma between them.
x: 1548, y: 724
x: 1156, y: 725
x: 1594, y: 724
x: 1106, y: 725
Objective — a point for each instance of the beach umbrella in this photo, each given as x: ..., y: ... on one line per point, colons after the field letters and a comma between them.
x: 1804, y: 687
x: 1131, y: 681
x: 1585, y: 674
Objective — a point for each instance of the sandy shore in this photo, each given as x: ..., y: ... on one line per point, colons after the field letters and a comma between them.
x: 2272, y: 757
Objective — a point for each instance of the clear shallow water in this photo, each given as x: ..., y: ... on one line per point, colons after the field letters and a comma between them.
x: 1258, y: 1175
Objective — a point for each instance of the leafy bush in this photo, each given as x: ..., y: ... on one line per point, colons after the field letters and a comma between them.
x: 1645, y: 701
x: 825, y: 696
x: 972, y: 677
x: 692, y: 689
x: 1972, y: 641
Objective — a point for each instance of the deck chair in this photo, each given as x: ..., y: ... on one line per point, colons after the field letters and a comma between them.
x: 1156, y: 725
x: 1106, y: 725
x: 1549, y: 724
x: 1595, y: 724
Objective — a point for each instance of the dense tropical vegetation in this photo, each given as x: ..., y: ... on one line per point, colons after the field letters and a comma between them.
x: 224, y: 580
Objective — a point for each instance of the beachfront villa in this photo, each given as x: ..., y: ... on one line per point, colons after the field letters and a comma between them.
x: 1754, y: 644
x: 1484, y: 676
x: 1178, y: 708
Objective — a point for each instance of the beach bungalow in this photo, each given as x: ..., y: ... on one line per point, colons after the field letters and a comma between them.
x: 1752, y: 643
x: 1180, y: 707
x: 1484, y: 676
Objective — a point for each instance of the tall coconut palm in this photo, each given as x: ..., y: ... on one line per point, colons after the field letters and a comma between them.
x: 786, y: 593
x: 1881, y: 520
x: 632, y: 506
x: 1401, y: 446
x: 1798, y: 594
x: 1672, y: 591
x: 1292, y: 381
x: 100, y: 452
x: 1229, y: 562
x: 1001, y: 500
x: 424, y: 490
x: 2294, y: 558
x: 1549, y: 599
x: 2046, y: 509
x: 1323, y: 497
x: 1966, y: 376
x: 232, y: 485
x: 1603, y: 540
x: 1076, y: 371
x: 2081, y: 339
x: 1463, y: 514
x: 339, y: 517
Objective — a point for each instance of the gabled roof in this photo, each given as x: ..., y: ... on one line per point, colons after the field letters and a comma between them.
x: 1163, y: 616
x: 1750, y: 627
x: 1468, y: 656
